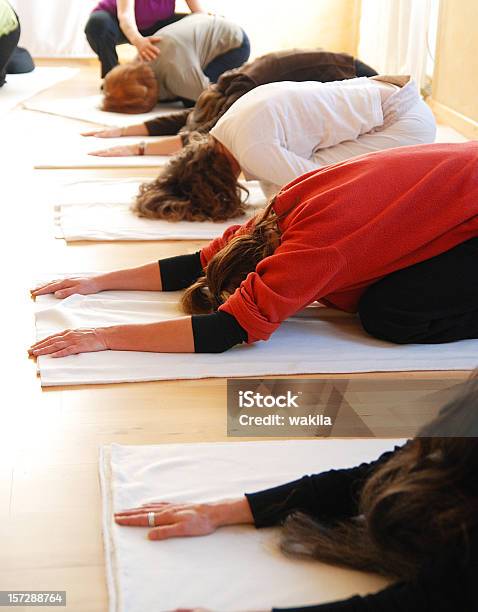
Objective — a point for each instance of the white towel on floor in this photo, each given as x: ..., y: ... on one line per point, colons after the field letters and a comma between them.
x: 20, y: 87
x: 88, y: 108
x: 327, y: 341
x: 73, y: 153
x: 236, y: 568
x: 101, y: 210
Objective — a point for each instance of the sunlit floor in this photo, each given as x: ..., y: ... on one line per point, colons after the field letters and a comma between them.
x: 49, y: 495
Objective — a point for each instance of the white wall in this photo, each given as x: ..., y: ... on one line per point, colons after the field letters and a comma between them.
x: 283, y: 24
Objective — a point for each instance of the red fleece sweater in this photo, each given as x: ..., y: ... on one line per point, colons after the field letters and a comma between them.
x: 350, y: 224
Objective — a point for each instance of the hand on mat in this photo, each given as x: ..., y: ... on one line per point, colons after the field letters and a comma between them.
x: 69, y: 342
x: 146, y: 48
x: 114, y: 132
x: 65, y: 287
x: 120, y: 151
x: 184, y: 520
x: 171, y: 520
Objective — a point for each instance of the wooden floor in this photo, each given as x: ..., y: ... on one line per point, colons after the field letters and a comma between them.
x: 49, y: 495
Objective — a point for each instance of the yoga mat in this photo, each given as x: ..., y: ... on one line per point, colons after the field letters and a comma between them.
x: 88, y: 108
x: 20, y: 87
x: 101, y: 210
x: 322, y: 341
x: 74, y: 154
x: 235, y: 568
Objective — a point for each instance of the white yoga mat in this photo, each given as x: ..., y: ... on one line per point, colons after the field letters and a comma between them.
x: 236, y: 568
x: 327, y: 341
x: 88, y: 108
x: 73, y: 153
x: 20, y: 87
x: 101, y: 210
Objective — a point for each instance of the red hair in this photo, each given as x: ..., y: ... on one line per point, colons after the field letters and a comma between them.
x: 130, y: 89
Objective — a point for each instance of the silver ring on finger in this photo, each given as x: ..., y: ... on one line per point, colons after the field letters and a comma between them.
x: 151, y: 518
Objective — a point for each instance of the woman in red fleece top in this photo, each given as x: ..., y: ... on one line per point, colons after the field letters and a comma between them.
x: 391, y: 235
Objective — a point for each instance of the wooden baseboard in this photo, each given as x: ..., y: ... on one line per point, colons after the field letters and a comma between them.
x: 126, y: 53
x: 62, y: 61
x: 463, y: 124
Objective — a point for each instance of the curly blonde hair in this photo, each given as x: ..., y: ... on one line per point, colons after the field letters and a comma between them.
x: 198, y: 184
x: 131, y: 89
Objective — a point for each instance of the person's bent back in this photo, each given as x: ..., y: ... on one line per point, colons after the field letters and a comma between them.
x: 280, y: 131
x: 194, y: 52
x: 291, y: 65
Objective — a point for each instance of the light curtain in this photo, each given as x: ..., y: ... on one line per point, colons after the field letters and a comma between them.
x: 54, y: 28
x: 393, y: 36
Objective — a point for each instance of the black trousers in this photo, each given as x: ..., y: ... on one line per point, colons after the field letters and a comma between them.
x: 8, y: 44
x: 103, y: 33
x: 431, y: 302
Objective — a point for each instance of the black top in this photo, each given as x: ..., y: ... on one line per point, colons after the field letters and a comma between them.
x: 445, y: 584
x: 213, y: 333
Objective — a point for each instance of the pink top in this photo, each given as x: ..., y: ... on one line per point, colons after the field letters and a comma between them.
x: 148, y: 12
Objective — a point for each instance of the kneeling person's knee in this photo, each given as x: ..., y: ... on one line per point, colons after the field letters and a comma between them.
x: 382, y: 320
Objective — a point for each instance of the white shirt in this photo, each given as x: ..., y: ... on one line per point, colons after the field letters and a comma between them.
x: 277, y: 130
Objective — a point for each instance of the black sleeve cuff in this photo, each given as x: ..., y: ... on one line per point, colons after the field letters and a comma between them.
x: 180, y: 272
x: 156, y: 127
x: 216, y: 333
x: 272, y: 506
x: 153, y: 127
x: 327, y: 496
x: 187, y: 103
x: 167, y: 125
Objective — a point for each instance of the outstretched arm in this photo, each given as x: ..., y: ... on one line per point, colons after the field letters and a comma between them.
x: 168, y: 125
x: 139, y: 129
x: 172, y: 336
x: 187, y: 520
x: 169, y: 274
x: 168, y: 145
x: 142, y: 278
x: 330, y: 494
x: 213, y: 333
x: 163, y: 125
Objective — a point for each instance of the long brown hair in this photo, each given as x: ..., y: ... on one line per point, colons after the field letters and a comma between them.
x: 131, y: 88
x: 198, y: 184
x: 415, y: 505
x: 216, y: 99
x: 231, y: 265
x: 206, y: 111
